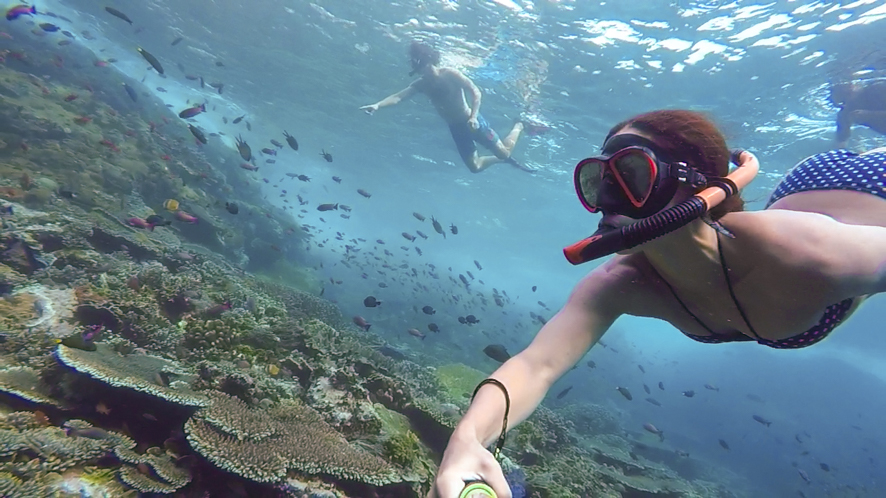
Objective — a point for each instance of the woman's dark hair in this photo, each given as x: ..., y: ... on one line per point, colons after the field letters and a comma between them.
x: 690, y: 137
x: 421, y: 54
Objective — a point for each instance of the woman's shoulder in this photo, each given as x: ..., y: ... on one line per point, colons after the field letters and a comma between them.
x: 621, y: 282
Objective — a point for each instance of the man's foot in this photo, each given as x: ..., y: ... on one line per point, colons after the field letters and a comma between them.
x: 533, y: 126
x: 519, y: 166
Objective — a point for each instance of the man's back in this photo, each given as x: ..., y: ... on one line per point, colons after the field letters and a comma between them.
x: 445, y: 89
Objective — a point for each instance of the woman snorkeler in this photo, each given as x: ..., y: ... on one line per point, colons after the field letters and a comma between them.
x: 688, y: 254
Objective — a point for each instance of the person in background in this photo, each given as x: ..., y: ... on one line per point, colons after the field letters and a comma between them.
x: 860, y: 104
x: 457, y: 100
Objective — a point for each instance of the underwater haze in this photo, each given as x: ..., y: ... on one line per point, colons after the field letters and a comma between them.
x: 760, y: 70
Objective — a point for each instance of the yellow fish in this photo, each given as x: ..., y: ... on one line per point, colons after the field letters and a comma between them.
x: 171, y: 205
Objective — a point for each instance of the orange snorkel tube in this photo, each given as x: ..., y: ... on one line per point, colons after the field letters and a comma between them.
x: 605, y: 243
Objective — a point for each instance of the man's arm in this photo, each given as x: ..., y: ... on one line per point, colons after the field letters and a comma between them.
x: 844, y: 126
x: 390, y: 100
x: 471, y: 90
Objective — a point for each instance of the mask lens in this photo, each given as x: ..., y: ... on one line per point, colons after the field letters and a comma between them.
x: 588, y: 179
x: 636, y: 171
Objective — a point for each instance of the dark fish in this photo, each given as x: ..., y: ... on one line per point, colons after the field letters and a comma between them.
x: 48, y: 27
x: 534, y: 288
x: 177, y: 41
x: 161, y: 89
x: 197, y: 133
x: 592, y: 364
x: 237, y: 120
x: 290, y: 140
x: 651, y: 428
x: 326, y: 155
x: 762, y: 420
x: 427, y: 310
x: 497, y: 352
x: 202, y: 83
x: 653, y: 401
x: 303, y: 178
x: 454, y: 230
x: 433, y: 327
x: 711, y: 388
x: 408, y: 236
x: 157, y: 220
x: 471, y: 319
x: 276, y: 144
x: 327, y: 207
x: 269, y: 151
x: 802, y: 472
x: 371, y: 302
x: 190, y: 112
x: 232, y: 207
x: 131, y: 92
x: 564, y: 392
x: 437, y: 227
x: 116, y: 13
x: 362, y: 323
x: 723, y: 444
x: 478, y: 265
x: 418, y: 216
x: 219, y: 64
x: 151, y: 59
x: 646, y: 388
x: 825, y: 467
x: 243, y: 149
x: 461, y: 320
x: 624, y: 392
x: 641, y: 368
x: 364, y: 193
x: 689, y: 394
x: 661, y: 386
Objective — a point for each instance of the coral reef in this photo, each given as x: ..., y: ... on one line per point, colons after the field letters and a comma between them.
x: 263, y: 445
x: 140, y: 372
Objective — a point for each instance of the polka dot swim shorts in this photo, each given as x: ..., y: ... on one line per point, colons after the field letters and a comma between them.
x: 835, y: 170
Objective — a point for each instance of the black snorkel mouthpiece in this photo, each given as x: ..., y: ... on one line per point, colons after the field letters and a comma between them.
x: 606, y: 241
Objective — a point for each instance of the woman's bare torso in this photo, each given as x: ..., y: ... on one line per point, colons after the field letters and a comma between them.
x: 780, y: 299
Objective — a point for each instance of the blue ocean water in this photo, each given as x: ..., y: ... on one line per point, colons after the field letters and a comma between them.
x: 762, y: 71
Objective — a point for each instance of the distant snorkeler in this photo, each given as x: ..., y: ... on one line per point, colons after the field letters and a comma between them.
x: 457, y: 100
x: 686, y: 253
x: 860, y: 103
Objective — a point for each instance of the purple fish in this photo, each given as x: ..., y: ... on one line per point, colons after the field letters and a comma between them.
x: 140, y: 223
x: 19, y: 10
x: 91, y: 333
x: 185, y: 217
x: 190, y: 112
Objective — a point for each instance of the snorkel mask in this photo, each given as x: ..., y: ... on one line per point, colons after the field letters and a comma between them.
x: 418, y: 64
x: 629, y: 179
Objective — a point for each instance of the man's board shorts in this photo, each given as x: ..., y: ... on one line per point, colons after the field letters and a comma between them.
x: 835, y: 170
x: 465, y: 137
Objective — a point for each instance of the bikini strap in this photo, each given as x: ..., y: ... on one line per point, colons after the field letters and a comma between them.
x: 686, y: 309
x: 731, y: 291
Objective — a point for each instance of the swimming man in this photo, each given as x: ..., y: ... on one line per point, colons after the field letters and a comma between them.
x: 457, y: 100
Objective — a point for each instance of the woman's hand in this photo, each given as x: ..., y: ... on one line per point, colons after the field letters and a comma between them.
x: 464, y: 460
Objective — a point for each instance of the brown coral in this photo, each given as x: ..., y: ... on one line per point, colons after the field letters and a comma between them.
x: 143, y: 373
x: 264, y: 445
